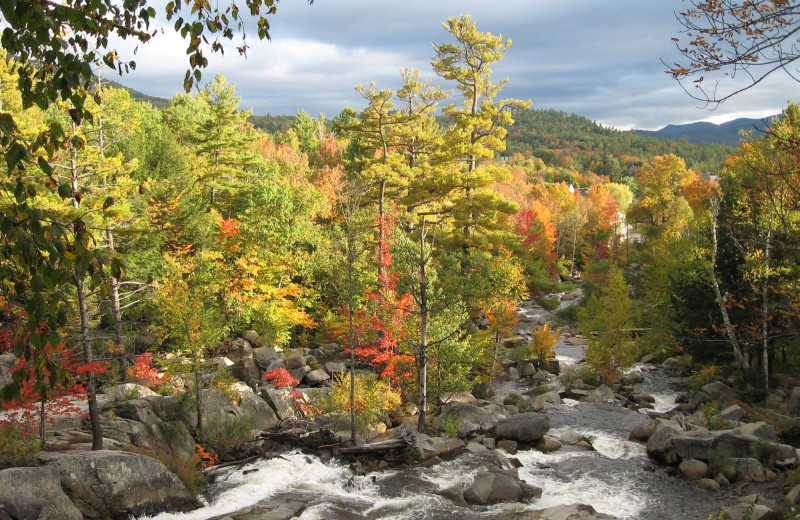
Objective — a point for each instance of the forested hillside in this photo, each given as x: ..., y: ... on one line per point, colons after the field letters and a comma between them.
x: 409, y: 239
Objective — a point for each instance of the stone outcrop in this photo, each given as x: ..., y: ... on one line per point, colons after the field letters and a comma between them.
x: 457, y: 412
x: 114, y: 484
x: 497, y: 485
x: 36, y: 494
x: 674, y: 445
x: 563, y: 512
x: 524, y: 428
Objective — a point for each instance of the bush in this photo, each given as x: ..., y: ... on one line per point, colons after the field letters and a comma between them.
x: 567, y: 315
x: 227, y: 437
x: 374, y: 399
x: 711, y: 411
x: 543, y: 341
x: 516, y: 400
x: 17, y: 447
x: 765, y: 452
x: 548, y: 303
x: 189, y: 471
x: 720, y: 462
x: 583, y: 373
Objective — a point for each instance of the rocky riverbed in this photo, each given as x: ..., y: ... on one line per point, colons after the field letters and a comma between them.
x: 536, y: 448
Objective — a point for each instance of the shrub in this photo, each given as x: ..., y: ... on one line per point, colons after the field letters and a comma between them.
x: 765, y: 452
x: 548, y: 303
x: 374, y: 399
x: 566, y: 315
x: 543, y: 341
x: 711, y: 411
x: 451, y: 427
x: 227, y: 437
x: 720, y: 462
x: 17, y: 447
x: 189, y: 471
x: 516, y: 400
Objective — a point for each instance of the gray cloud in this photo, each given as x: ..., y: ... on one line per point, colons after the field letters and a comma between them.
x: 597, y: 59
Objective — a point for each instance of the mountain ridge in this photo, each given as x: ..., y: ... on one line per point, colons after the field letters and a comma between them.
x: 703, y: 131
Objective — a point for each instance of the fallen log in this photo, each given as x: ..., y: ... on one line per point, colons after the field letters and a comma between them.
x: 407, y: 440
x: 317, y: 439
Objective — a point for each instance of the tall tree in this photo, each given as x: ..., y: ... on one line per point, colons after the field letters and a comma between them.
x: 480, y: 125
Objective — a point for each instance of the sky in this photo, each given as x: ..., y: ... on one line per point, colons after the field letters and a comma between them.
x: 602, y: 60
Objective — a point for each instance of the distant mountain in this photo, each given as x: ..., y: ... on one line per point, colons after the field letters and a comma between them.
x: 140, y: 97
x: 702, y: 132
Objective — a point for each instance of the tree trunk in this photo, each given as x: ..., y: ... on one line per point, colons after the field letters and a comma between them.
x: 721, y: 300
x: 91, y: 390
x: 765, y: 311
x: 423, y: 335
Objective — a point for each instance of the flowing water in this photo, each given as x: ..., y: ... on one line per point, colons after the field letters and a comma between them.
x: 616, y: 478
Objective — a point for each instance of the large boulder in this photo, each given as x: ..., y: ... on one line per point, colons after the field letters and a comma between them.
x: 455, y: 412
x: 7, y: 364
x: 490, y: 487
x: 563, y: 512
x: 794, y: 401
x: 671, y: 443
x: 602, y: 394
x: 264, y: 356
x: 282, y: 401
x: 128, y: 391
x: 254, y: 338
x: 115, y: 484
x: 35, y: 494
x: 239, y: 349
x: 246, y: 369
x: 525, y: 428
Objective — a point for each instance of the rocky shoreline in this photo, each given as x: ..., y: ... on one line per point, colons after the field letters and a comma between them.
x: 125, y: 481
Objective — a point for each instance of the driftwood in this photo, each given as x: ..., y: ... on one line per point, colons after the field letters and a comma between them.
x: 241, y: 462
x: 406, y: 441
x: 315, y: 439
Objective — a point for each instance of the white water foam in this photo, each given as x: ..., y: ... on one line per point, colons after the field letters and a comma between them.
x: 291, y: 471
x: 617, y: 496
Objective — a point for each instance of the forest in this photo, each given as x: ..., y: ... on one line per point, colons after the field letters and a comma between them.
x: 143, y: 239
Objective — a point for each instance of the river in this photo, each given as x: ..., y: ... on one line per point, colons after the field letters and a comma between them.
x: 616, y: 478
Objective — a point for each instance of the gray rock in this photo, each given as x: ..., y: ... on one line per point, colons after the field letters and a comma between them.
x: 254, y: 338
x: 525, y: 428
x: 732, y: 413
x: 715, y: 388
x: 282, y: 402
x: 507, y: 446
x: 316, y: 377
x: 455, y: 411
x: 240, y: 348
x: 749, y: 469
x: 490, y: 488
x: 246, y: 370
x: 528, y: 370
x: 333, y: 368
x: 35, y: 494
x: 570, y: 437
x: 298, y: 373
x: 264, y: 356
x: 7, y: 364
x: 467, y: 428
x: 747, y: 512
x: 643, y: 431
x: 760, y: 430
x: 693, y: 469
x: 707, y: 484
x: 793, y: 496
x: 256, y: 408
x: 116, y: 484
x: 603, y: 394
x: 794, y: 401
x: 563, y: 512
x: 128, y: 391
x: 547, y: 444
x: 295, y: 361
x: 513, y: 373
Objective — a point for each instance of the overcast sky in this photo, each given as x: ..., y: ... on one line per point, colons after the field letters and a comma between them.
x: 598, y: 59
